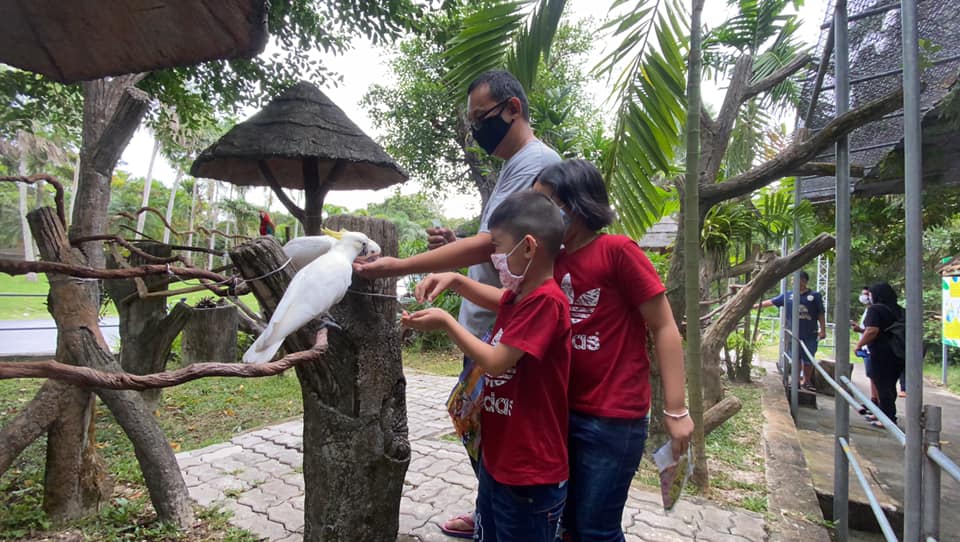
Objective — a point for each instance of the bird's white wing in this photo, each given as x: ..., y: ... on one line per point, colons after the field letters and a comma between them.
x: 303, y: 250
x: 312, y: 292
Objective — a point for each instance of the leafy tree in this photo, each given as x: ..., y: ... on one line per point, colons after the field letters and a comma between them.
x: 421, y: 114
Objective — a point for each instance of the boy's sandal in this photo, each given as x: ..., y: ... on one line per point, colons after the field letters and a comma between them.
x: 459, y: 527
x: 876, y: 423
x: 870, y: 418
x: 863, y: 410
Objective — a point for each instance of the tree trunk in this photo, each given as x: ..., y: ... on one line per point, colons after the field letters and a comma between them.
x: 211, y: 335
x: 27, y: 239
x: 146, y: 330
x: 32, y: 422
x: 691, y: 248
x: 355, y: 441
x: 80, y: 342
x: 170, y: 203
x: 147, y: 185
x: 212, y: 217
x: 193, y: 217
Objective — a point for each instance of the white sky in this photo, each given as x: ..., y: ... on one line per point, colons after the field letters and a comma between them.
x: 365, y: 65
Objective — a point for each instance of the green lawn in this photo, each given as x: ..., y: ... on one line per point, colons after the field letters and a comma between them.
x: 35, y: 308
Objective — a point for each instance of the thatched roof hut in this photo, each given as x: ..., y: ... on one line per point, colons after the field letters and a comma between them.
x: 300, y: 140
x: 86, y: 39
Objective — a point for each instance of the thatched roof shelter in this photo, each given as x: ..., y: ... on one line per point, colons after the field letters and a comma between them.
x: 77, y: 40
x: 300, y: 140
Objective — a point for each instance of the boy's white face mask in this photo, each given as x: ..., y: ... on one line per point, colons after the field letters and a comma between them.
x: 507, y: 278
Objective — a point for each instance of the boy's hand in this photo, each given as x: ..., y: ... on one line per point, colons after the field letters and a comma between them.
x: 680, y: 431
x: 439, y: 236
x: 379, y: 268
x: 433, y: 285
x: 425, y: 320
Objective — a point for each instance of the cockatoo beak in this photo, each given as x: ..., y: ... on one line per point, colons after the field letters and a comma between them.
x: 371, y: 253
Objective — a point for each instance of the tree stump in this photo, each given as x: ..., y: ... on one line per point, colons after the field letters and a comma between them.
x: 355, y: 439
x: 830, y: 366
x: 147, y: 331
x: 210, y: 335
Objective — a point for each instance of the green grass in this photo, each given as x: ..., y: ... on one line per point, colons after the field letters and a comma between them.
x: 35, y: 308
x: 435, y: 362
x: 934, y: 373
x: 193, y: 415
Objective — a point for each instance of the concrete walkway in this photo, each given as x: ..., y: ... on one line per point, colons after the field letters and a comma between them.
x: 257, y: 476
x: 881, y: 457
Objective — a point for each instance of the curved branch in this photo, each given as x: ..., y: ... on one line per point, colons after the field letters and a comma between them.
x: 13, y: 267
x: 294, y: 209
x: 129, y: 246
x: 200, y: 229
x: 49, y: 179
x: 93, y: 378
x: 799, y: 153
x: 776, y: 77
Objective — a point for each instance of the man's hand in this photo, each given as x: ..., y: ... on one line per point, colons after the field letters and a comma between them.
x: 437, y: 237
x: 680, y: 431
x: 433, y: 285
x: 823, y: 334
x: 426, y: 320
x: 379, y: 268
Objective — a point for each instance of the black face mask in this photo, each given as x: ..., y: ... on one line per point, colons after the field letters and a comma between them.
x: 490, y: 131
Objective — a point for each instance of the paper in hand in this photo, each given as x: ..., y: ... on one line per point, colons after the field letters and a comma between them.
x: 673, y: 473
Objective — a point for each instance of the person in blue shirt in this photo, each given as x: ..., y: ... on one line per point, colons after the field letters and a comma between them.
x: 813, y: 324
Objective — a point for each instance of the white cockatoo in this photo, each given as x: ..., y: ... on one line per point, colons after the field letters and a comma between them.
x: 316, y: 288
x: 303, y: 250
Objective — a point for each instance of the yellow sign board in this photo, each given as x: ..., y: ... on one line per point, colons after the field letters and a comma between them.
x: 951, y: 311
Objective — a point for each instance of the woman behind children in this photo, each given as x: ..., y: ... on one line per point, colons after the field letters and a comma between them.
x: 616, y: 298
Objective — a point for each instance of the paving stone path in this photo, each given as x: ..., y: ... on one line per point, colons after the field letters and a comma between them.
x: 257, y: 476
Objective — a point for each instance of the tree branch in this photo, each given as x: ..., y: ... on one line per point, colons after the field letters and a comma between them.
x: 49, y: 179
x: 14, y: 267
x: 771, y: 272
x: 797, y: 154
x: 777, y: 77
x: 131, y: 108
x: 824, y: 169
x: 718, y: 139
x: 93, y: 378
x: 127, y: 245
x: 294, y: 209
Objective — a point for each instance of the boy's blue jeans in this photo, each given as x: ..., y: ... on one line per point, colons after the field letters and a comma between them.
x: 604, y: 456
x: 517, y: 513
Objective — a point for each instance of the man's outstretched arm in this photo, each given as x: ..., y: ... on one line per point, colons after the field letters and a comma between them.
x: 462, y: 253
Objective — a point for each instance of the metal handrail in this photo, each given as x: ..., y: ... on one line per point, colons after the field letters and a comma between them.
x: 874, y: 503
x: 888, y: 424
x: 944, y: 462
x: 22, y: 295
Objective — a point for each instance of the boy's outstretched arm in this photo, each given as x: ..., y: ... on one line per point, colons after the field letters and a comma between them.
x: 483, y: 295
x: 462, y: 253
x: 495, y: 360
x: 669, y: 350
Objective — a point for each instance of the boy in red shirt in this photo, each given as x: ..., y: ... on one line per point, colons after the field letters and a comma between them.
x: 524, y: 467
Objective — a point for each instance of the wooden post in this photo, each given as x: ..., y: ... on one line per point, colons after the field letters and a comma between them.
x: 355, y: 441
x: 146, y: 330
x: 211, y: 335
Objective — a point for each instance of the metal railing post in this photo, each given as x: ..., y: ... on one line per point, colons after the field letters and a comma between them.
x: 931, y: 474
x: 795, y: 359
x: 943, y: 369
x: 841, y: 343
x: 913, y: 197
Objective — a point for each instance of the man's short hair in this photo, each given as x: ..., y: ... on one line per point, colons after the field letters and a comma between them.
x: 530, y: 213
x: 502, y: 85
x: 804, y: 276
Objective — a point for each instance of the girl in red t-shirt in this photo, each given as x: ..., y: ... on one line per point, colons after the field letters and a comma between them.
x: 616, y: 299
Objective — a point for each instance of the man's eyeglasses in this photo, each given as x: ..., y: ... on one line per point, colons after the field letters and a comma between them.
x: 475, y: 124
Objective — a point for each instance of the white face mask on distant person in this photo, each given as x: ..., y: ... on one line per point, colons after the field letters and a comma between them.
x: 865, y: 299
x: 509, y: 280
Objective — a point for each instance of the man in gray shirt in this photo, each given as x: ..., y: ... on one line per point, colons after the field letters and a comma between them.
x: 499, y: 119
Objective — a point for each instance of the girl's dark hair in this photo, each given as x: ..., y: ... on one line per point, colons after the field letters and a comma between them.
x: 579, y: 185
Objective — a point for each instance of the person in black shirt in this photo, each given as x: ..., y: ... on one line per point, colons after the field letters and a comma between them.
x: 886, y: 367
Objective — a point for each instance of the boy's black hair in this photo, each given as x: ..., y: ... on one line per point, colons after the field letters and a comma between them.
x: 530, y: 213
x: 578, y: 184
x: 804, y: 276
x: 502, y: 85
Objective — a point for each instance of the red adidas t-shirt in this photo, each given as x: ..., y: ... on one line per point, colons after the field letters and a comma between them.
x: 524, y: 417
x: 605, y: 283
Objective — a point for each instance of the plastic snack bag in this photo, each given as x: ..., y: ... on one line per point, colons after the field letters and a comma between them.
x: 673, y: 473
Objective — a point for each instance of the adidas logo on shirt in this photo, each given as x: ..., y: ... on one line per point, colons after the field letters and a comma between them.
x: 582, y: 308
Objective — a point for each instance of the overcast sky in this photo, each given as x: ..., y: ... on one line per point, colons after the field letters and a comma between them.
x: 364, y: 65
